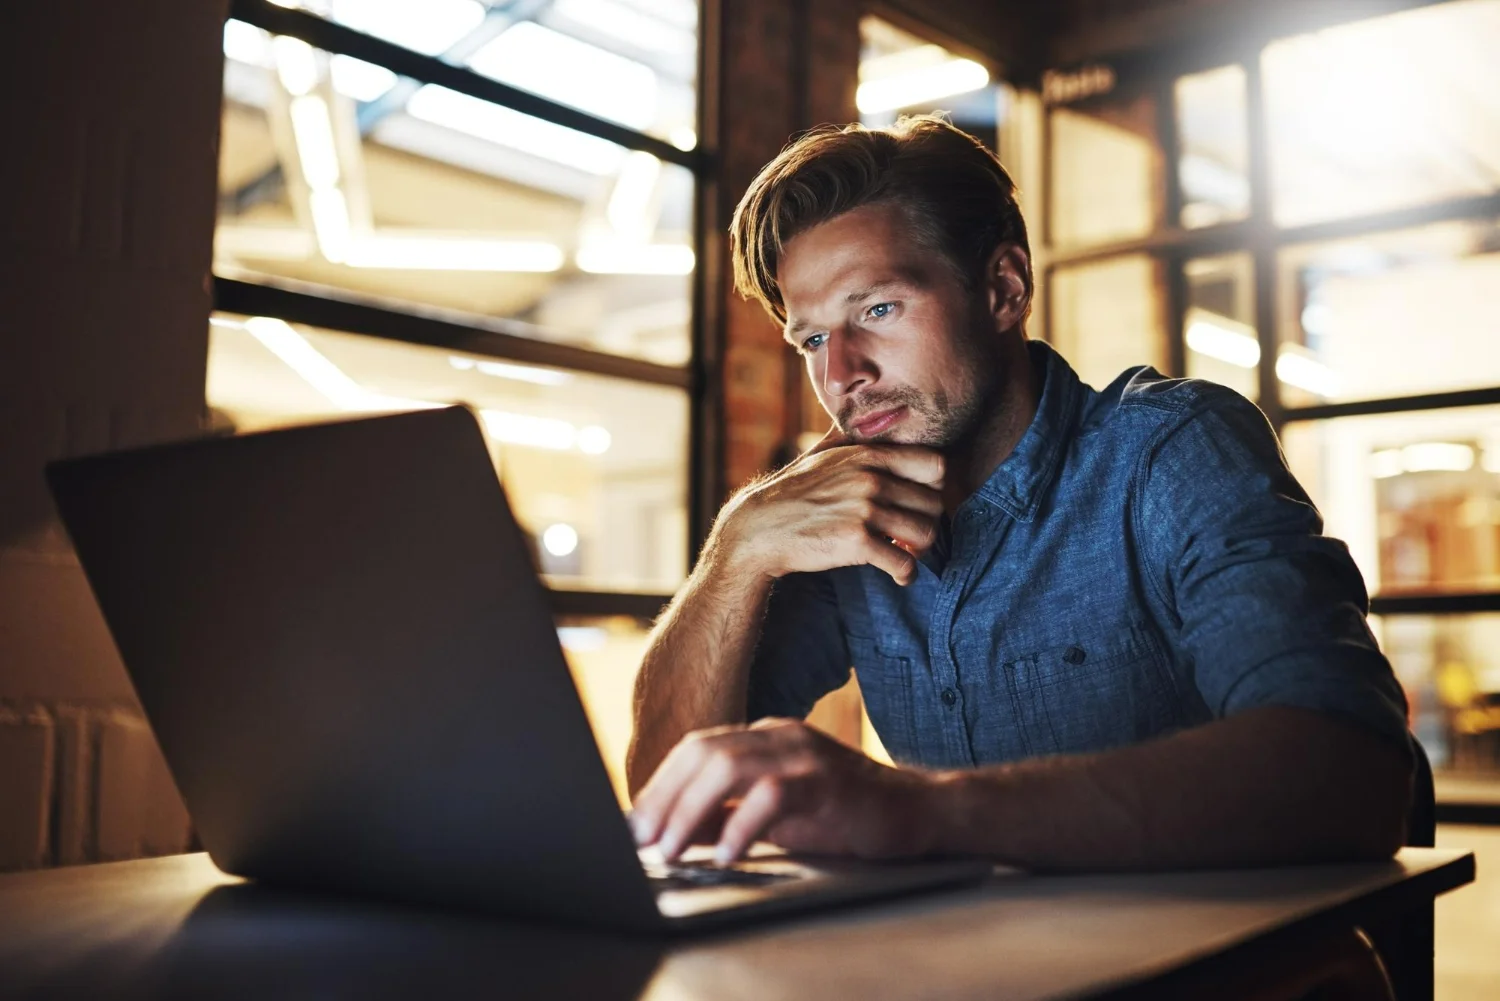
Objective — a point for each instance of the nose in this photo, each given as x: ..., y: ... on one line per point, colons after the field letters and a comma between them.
x: 846, y: 366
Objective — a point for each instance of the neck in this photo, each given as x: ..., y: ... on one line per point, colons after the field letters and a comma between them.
x: 973, y: 460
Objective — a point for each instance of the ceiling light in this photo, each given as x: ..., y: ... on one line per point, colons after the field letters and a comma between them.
x: 582, y: 639
x: 684, y: 138
x: 527, y: 373
x: 320, y: 373
x: 1437, y: 456
x: 245, y: 43
x: 636, y: 259
x: 533, y: 432
x: 920, y: 86
x: 594, y: 440
x: 331, y: 223
x: 512, y: 129
x: 571, y: 72
x: 1216, y: 340
x: 560, y: 539
x: 633, y: 27
x: 1306, y: 373
x: 443, y: 253
x: 430, y: 27
x: 1386, y: 463
x: 313, y: 130
x: 358, y: 79
x: 630, y: 202
x: 296, y: 64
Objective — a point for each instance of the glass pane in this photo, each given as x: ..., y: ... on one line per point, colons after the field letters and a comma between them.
x: 1213, y: 160
x: 1106, y: 178
x: 1450, y: 668
x: 1416, y: 496
x: 1220, y: 322
x: 1385, y: 113
x: 594, y: 467
x: 605, y: 655
x: 1107, y: 317
x: 1391, y: 315
x: 340, y: 175
x: 634, y: 62
x: 901, y: 73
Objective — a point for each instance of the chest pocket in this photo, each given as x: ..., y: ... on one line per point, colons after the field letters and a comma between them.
x: 1101, y: 691
x: 885, y: 683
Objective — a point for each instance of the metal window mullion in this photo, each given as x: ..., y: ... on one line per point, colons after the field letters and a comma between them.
x: 331, y: 36
x: 1482, y: 397
x: 1172, y: 263
x: 1468, y: 603
x: 254, y: 299
x: 1262, y: 225
x: 603, y: 604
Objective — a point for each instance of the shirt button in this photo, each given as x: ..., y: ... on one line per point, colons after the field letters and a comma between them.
x: 949, y: 696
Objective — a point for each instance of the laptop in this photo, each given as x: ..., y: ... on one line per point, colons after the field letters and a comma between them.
x: 338, y: 635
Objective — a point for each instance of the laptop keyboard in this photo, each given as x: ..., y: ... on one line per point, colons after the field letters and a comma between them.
x: 692, y: 875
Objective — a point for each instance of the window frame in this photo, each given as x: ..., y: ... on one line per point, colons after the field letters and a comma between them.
x: 288, y: 301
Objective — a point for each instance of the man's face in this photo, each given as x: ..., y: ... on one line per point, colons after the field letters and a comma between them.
x: 896, y: 347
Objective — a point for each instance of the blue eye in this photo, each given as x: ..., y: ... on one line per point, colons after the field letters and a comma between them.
x: 814, y: 342
x: 879, y: 310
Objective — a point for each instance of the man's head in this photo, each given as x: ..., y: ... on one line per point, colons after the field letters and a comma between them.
x: 897, y: 261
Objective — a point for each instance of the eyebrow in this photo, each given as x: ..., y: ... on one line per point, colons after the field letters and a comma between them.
x: 870, y: 291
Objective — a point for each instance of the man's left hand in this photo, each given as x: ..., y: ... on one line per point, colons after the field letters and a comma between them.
x: 783, y: 781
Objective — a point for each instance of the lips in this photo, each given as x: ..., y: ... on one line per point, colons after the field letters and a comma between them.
x: 878, y: 422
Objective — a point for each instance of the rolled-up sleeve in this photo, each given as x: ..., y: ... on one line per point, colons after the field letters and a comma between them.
x: 801, y: 655
x: 1270, y: 611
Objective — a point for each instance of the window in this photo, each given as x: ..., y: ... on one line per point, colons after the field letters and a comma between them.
x: 427, y: 202
x: 1325, y: 239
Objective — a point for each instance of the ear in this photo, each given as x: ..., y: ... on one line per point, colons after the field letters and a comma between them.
x: 1007, y: 280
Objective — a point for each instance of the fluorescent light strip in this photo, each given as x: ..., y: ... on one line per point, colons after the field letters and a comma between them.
x: 636, y: 259
x: 1437, y: 457
x: 517, y: 373
x: 430, y: 27
x: 330, y: 380
x: 313, y: 129
x: 629, y: 210
x: 921, y: 86
x: 513, y: 130
x: 296, y: 65
x: 571, y: 72
x: 429, y: 253
x: 331, y: 223
x: 245, y: 43
x: 358, y: 79
x: 1305, y: 373
x: 1217, y: 341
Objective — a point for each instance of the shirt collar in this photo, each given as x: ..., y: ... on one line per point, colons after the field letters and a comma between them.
x: 1019, y: 482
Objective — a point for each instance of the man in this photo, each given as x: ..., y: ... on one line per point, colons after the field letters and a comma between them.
x: 1094, y: 629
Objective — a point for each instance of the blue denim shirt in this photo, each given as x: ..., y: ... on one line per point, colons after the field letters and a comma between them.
x: 1142, y: 562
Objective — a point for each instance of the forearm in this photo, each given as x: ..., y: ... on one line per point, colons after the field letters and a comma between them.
x: 695, y: 669
x: 1270, y: 786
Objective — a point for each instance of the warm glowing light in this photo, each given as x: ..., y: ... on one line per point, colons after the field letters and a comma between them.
x: 571, y: 72
x: 1386, y: 463
x: 534, y: 432
x: 296, y: 64
x: 636, y: 259
x: 443, y: 253
x: 594, y: 440
x: 684, y: 138
x: 331, y: 223
x: 560, y: 539
x: 316, y: 152
x: 1306, y: 373
x: 920, y: 85
x: 1217, y: 340
x: 508, y: 128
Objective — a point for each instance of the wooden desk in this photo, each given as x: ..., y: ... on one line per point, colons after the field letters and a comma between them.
x: 178, y: 928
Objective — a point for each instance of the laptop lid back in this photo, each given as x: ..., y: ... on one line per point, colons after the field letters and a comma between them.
x: 340, y: 642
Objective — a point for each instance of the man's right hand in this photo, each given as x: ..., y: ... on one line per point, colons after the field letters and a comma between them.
x: 839, y: 505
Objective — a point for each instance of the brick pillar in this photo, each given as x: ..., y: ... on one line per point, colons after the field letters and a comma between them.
x: 787, y: 65
x: 111, y: 113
